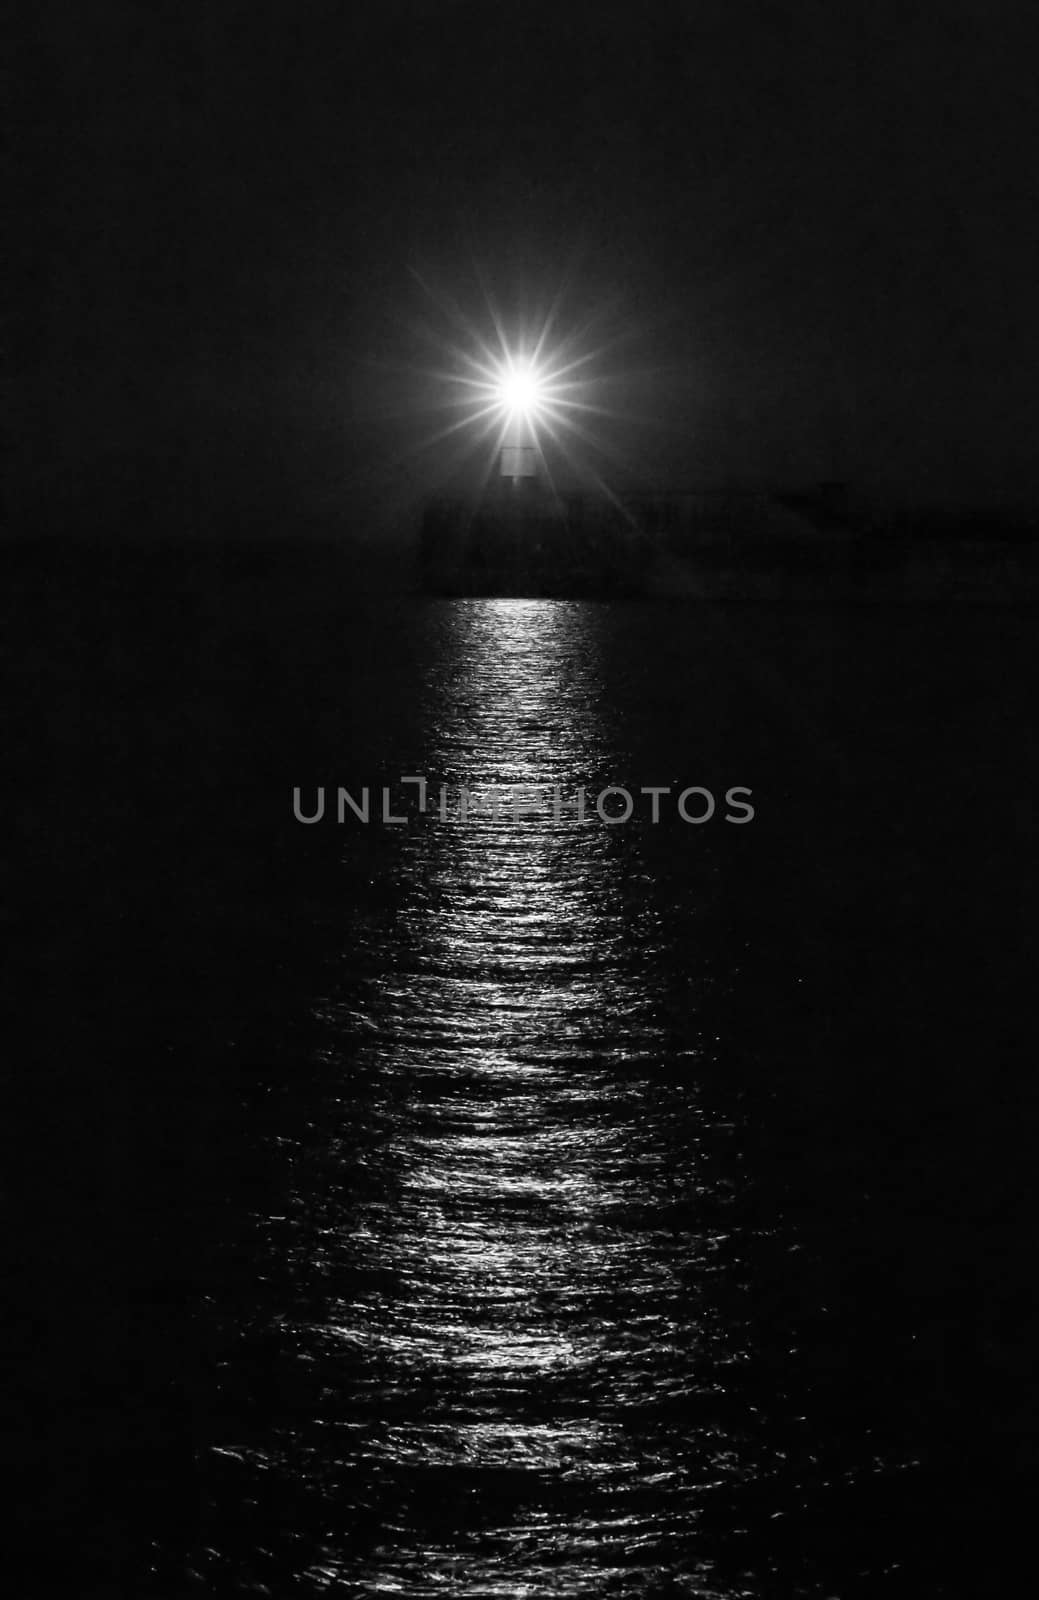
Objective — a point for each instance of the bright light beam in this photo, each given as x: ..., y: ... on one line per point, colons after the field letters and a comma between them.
x: 534, y: 393
x: 521, y: 391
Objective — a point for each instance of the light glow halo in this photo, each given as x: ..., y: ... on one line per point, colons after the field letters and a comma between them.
x: 521, y: 390
x: 511, y: 388
x: 537, y: 386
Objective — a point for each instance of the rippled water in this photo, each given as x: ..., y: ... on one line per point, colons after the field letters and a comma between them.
x: 509, y: 1206
x: 528, y: 1242
x: 527, y: 1193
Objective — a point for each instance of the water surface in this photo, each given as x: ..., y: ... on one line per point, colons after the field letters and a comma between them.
x: 517, y: 1205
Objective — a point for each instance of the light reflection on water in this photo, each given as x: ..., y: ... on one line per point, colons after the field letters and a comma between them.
x: 525, y: 1208
x: 628, y: 1177
x: 533, y: 1321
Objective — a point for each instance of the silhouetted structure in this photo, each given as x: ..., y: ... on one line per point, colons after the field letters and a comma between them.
x: 523, y: 539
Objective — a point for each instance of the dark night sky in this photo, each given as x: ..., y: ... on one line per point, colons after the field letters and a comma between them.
x: 812, y: 230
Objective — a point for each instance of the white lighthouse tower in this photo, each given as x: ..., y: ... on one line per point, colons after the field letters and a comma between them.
x: 518, y: 451
x: 520, y: 395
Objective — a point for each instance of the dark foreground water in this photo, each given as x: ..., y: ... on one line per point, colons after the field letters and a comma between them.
x: 517, y: 1206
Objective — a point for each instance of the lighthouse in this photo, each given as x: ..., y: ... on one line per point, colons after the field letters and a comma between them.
x: 520, y: 397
